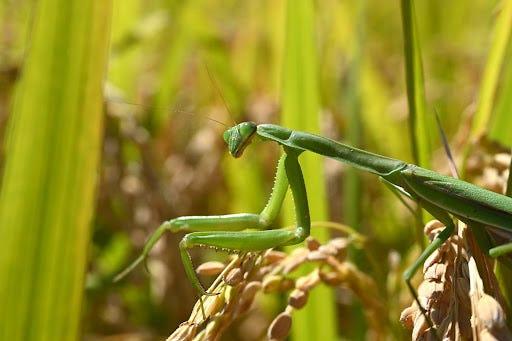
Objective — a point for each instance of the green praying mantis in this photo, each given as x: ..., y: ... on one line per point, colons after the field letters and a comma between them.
x: 442, y: 196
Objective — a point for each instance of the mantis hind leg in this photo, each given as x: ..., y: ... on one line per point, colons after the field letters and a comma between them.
x: 444, y: 218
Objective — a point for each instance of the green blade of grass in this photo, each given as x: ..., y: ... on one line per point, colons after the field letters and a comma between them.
x: 351, y: 181
x: 53, y: 151
x: 492, y: 71
x: 124, y: 61
x: 502, y: 119
x: 301, y: 111
x: 418, y: 120
x: 352, y: 186
x: 189, y: 27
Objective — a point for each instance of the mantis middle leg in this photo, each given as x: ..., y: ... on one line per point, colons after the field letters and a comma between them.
x: 444, y: 218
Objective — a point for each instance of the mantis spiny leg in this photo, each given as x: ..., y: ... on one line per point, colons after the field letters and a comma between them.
x: 223, y: 232
x: 256, y: 240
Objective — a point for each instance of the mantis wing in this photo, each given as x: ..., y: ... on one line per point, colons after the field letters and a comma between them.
x: 462, y: 199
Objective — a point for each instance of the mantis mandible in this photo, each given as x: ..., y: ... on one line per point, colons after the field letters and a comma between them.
x: 440, y: 195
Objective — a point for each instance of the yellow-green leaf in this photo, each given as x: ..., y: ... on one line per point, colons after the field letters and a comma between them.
x: 51, y: 168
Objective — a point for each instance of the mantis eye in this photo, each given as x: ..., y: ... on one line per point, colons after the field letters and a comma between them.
x: 239, y: 137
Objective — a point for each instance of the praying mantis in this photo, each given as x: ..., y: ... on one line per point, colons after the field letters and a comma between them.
x: 442, y: 196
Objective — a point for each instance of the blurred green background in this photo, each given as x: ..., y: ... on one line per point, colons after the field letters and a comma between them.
x: 337, y: 68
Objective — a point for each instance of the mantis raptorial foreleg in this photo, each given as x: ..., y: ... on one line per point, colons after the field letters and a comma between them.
x: 223, y: 232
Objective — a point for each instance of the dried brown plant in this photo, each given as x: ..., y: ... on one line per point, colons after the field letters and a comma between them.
x: 459, y: 290
x: 453, y: 294
x: 273, y: 272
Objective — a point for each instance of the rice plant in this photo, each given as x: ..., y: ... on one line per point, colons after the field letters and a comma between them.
x: 52, y: 152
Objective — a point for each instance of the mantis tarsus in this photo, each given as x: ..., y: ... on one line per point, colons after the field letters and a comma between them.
x: 440, y: 195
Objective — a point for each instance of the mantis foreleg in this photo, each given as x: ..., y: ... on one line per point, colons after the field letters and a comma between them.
x: 222, y: 231
x: 257, y: 240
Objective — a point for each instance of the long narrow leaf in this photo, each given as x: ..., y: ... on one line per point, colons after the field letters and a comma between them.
x: 491, y: 76
x: 418, y: 121
x: 53, y: 149
x: 502, y: 119
x: 301, y: 111
x: 352, y: 186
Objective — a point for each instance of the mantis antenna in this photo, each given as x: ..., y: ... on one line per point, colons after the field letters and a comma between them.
x: 175, y: 109
x: 446, y: 146
x: 217, y: 88
x: 219, y: 92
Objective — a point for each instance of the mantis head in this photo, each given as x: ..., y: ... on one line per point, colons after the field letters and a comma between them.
x: 239, y: 137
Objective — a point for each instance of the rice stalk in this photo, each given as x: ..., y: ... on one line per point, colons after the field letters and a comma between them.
x: 274, y: 272
x: 454, y: 296
x: 48, y: 187
x: 460, y: 291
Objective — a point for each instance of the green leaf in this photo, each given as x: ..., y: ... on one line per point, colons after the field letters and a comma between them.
x: 301, y: 111
x: 502, y: 119
x: 51, y: 168
x: 492, y: 71
x: 419, y: 123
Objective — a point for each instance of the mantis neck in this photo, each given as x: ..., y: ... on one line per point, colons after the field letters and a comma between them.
x: 373, y: 163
